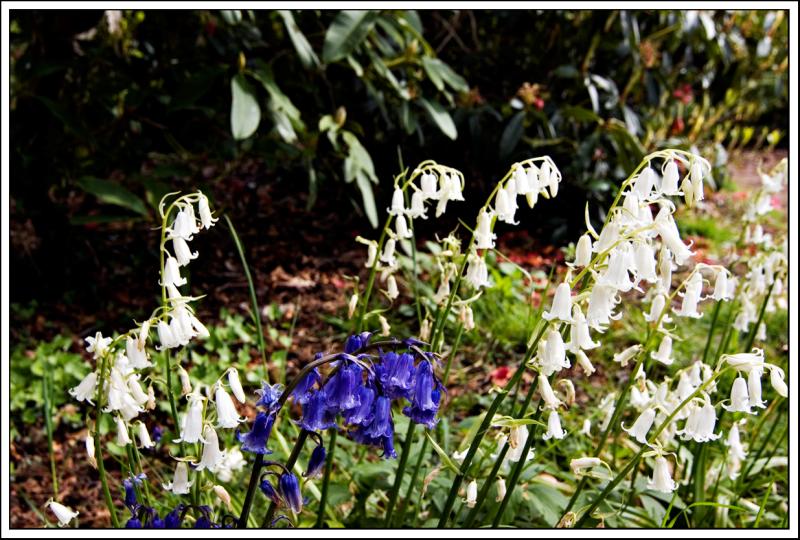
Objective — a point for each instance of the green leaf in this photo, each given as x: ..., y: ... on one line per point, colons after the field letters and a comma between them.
x: 443, y: 455
x: 440, y: 117
x: 112, y: 193
x: 580, y: 114
x: 307, y: 55
x: 347, y: 31
x: 245, y: 112
x: 440, y: 73
x: 512, y: 134
x: 358, y: 166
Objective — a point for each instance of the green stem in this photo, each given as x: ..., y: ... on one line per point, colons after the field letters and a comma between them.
x: 98, y: 449
x: 514, y: 479
x: 262, y: 348
x: 251, y: 491
x: 401, y: 511
x: 711, y: 330
x: 398, y: 477
x: 326, y: 479
x: 482, y: 429
x: 751, y: 338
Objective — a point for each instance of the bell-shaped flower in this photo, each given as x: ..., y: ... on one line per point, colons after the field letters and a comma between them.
x: 664, y: 352
x: 387, y: 255
x: 561, y: 308
x: 361, y: 413
x: 183, y: 254
x: 425, y: 395
x: 467, y: 318
x: 289, y: 490
x: 665, y: 225
x: 600, y: 311
x: 583, y: 251
x: 696, y: 175
x: 256, y: 440
x: 417, y: 209
x: 549, y: 398
x: 721, y: 290
x: 484, y: 237
x: 746, y: 361
x: 644, y: 183
x: 97, y: 344
x: 236, y: 385
x: 579, y: 464
x: 691, y: 297
x: 642, y: 425
x: 123, y: 438
x: 64, y: 514
x: 268, y: 396
x: 669, y: 182
x: 212, y: 456
x: 429, y: 185
x: 341, y: 390
x: 172, y: 274
x: 504, y: 207
x: 316, y: 414
x: 776, y: 378
x: 397, y: 203
x: 477, y: 273
x: 700, y: 424
x: 554, y: 357
x: 316, y: 462
x: 138, y: 395
x: 90, y: 449
x: 180, y: 484
x: 516, y: 443
x: 656, y: 308
x: 500, y: 485
x: 166, y: 337
x: 625, y: 356
x: 86, y: 388
x: 580, y: 338
x: 554, y: 430
x: 609, y: 236
x: 662, y: 477
x: 144, y: 436
x: 584, y: 362
x: 304, y: 390
x: 754, y: 389
x: 645, y: 262
x: 396, y: 374
x: 269, y: 491
x: 205, y: 212
x: 472, y: 494
x: 227, y: 416
x: 192, y: 428
x: 401, y: 226
x: 136, y: 353
x: 733, y: 442
x: 392, y: 292
x: 620, y: 263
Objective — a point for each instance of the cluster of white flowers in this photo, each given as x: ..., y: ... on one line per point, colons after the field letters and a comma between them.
x: 118, y: 367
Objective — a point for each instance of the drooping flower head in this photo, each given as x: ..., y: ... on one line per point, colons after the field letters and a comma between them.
x: 256, y: 440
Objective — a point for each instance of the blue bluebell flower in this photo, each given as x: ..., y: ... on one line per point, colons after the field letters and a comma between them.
x: 269, y: 396
x: 341, y: 390
x: 305, y: 388
x: 316, y: 462
x: 363, y: 412
x: 158, y: 432
x: 130, y: 490
x: 204, y: 520
x: 269, y: 491
x: 316, y: 414
x: 256, y: 441
x: 356, y: 342
x: 174, y: 519
x: 289, y: 489
x: 133, y: 523
x: 395, y: 372
x: 380, y: 429
x: 425, y: 396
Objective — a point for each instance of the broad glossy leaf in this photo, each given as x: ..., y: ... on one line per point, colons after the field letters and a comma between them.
x: 307, y: 55
x: 440, y: 117
x: 345, y: 33
x: 112, y: 193
x: 245, y: 112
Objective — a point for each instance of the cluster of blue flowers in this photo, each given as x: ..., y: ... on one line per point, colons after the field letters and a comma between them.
x: 360, y: 390
x: 146, y: 517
